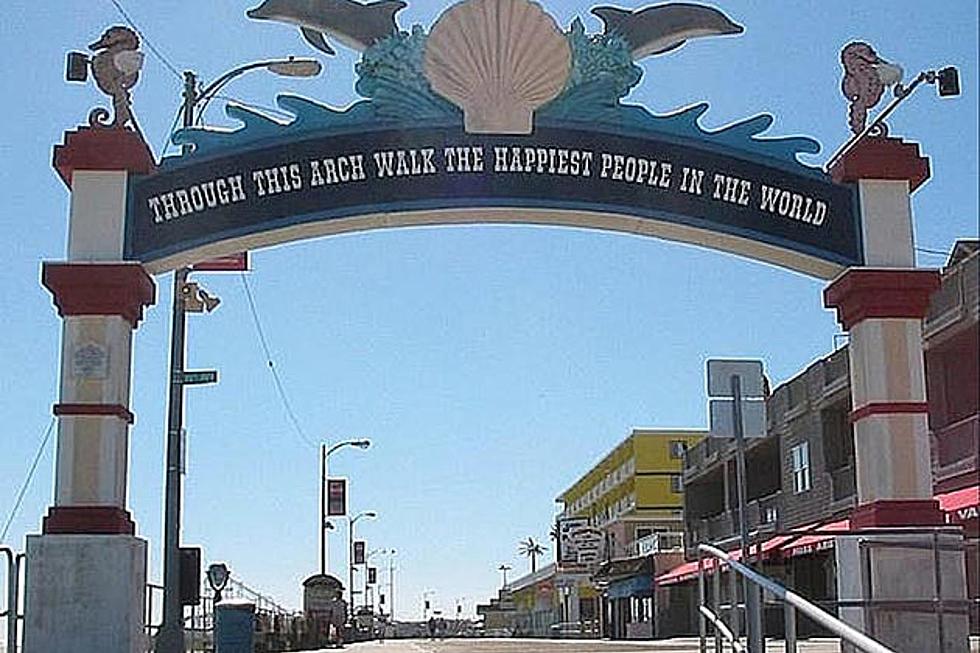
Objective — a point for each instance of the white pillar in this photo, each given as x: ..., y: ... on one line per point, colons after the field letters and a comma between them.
x: 86, y: 574
x: 882, y: 307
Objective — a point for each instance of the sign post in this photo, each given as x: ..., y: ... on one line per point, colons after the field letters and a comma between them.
x: 735, y: 378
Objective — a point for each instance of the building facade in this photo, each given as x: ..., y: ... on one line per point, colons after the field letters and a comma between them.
x: 636, y: 490
x: 802, y: 475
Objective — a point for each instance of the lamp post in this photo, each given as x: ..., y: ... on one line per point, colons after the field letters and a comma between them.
x: 391, y: 584
x: 171, y: 637
x: 503, y: 569
x: 323, y: 528
x: 367, y: 565
x: 370, y: 514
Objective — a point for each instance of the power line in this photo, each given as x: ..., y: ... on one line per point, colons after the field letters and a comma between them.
x: 280, y: 388
x: 153, y: 49
x: 27, y: 481
x: 935, y: 252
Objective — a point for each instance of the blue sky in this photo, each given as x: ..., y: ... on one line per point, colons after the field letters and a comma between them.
x: 490, y: 366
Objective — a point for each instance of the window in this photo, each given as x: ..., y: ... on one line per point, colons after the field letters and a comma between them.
x: 771, y: 515
x: 676, y: 483
x: 677, y: 449
x: 801, y: 467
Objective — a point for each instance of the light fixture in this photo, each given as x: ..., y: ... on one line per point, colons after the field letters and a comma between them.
x: 294, y: 67
x: 77, y: 68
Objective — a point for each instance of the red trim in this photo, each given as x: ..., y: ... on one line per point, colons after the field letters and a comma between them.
x: 234, y: 263
x: 92, y: 148
x: 88, y: 520
x: 99, y: 289
x: 865, y: 293
x: 889, y: 408
x: 94, y: 410
x: 895, y: 513
x: 884, y: 158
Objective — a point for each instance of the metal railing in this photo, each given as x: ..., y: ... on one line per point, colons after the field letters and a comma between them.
x: 756, y: 582
x: 10, y: 615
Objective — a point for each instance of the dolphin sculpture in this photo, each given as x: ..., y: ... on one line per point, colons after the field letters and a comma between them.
x: 356, y: 25
x: 662, y: 28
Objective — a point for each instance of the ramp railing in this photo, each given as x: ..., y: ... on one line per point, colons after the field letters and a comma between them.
x: 756, y: 582
x: 10, y: 615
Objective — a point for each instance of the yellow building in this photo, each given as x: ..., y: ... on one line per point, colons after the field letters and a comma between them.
x: 636, y: 490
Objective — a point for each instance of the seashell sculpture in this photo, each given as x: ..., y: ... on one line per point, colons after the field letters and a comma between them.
x: 498, y: 60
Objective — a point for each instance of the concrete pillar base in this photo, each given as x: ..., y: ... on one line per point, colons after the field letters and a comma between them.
x: 898, y: 576
x: 85, y: 593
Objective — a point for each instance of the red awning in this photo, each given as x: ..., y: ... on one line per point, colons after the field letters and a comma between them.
x: 790, y: 545
x: 822, y: 541
x: 961, y: 506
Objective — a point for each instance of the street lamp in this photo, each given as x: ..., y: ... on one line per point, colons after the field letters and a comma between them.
x: 185, y: 296
x: 323, y: 528
x: 367, y: 564
x: 370, y: 514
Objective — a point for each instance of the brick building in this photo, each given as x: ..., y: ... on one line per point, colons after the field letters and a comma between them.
x: 802, y: 474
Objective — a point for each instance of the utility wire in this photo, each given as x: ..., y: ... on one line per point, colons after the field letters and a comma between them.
x: 935, y: 252
x: 27, y: 481
x: 165, y: 145
x: 280, y: 388
x: 156, y: 52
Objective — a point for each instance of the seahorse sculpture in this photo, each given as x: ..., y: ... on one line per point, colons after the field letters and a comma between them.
x: 116, y: 69
x: 866, y: 76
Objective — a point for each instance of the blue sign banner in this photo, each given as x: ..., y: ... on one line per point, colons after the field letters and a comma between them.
x: 314, y: 178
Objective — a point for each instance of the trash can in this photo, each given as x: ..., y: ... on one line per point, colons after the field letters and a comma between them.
x: 234, y: 627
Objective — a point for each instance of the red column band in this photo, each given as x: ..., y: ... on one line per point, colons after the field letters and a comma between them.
x: 871, y: 293
x: 88, y: 520
x: 889, y: 408
x: 94, y: 410
x: 122, y: 289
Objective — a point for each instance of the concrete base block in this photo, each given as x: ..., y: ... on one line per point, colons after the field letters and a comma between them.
x: 85, y: 594
x: 899, y: 577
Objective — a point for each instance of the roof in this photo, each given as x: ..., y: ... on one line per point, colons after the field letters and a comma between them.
x: 962, y: 250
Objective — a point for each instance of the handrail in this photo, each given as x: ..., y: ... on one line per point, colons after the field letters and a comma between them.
x: 825, y: 619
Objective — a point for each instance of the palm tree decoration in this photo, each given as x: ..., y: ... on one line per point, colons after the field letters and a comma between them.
x: 532, y: 550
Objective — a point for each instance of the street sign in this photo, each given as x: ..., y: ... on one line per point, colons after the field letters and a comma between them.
x: 372, y: 576
x: 359, y: 547
x: 336, y: 497
x: 722, y: 422
x: 199, y: 377
x: 720, y: 373
x: 567, y: 529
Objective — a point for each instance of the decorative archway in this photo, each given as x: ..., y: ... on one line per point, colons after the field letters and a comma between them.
x: 528, y: 126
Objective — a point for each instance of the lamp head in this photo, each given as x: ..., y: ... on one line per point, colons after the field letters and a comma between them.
x: 294, y: 67
x: 948, y: 80
x: 77, y: 67
x: 362, y: 444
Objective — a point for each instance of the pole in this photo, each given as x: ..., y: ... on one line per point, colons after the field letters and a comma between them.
x: 391, y: 586
x: 350, y: 563
x: 752, y: 609
x: 171, y: 637
x: 324, y: 552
